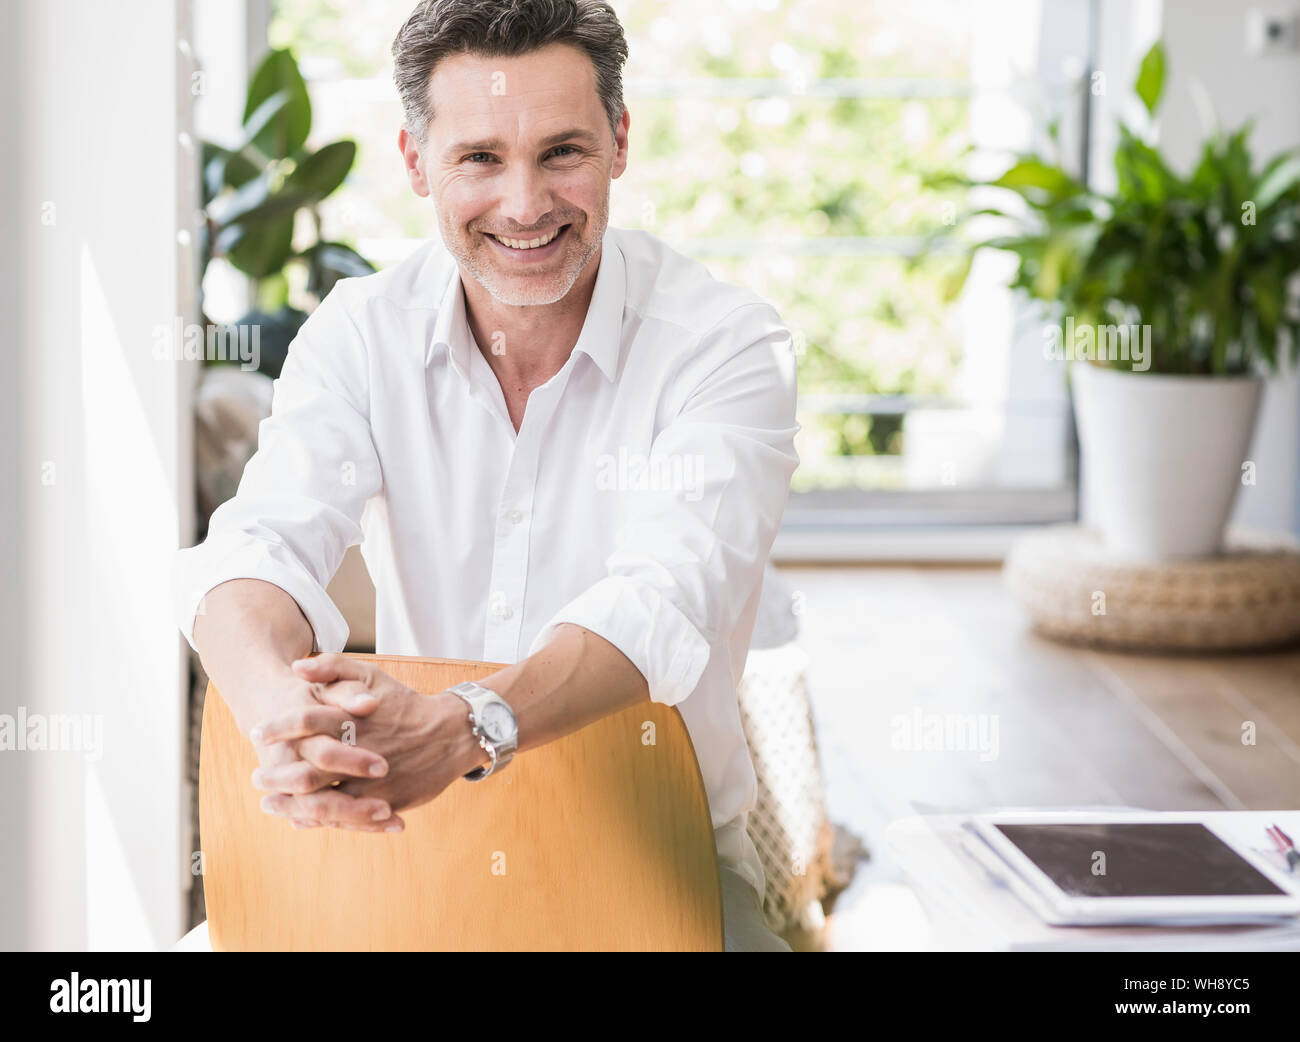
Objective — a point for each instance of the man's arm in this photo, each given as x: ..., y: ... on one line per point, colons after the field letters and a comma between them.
x: 247, y: 636
x: 574, y: 680
x: 252, y: 597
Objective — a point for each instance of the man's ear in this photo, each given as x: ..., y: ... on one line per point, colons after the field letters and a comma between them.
x: 620, y: 145
x: 410, y: 150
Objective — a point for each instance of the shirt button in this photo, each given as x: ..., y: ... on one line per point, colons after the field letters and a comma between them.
x: 514, y: 517
x: 500, y: 608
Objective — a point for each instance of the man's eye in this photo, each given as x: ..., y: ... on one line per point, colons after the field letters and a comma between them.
x: 560, y: 151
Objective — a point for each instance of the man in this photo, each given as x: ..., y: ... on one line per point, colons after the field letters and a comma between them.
x: 561, y: 445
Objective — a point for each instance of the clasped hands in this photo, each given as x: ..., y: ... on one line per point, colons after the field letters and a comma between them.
x: 354, y: 746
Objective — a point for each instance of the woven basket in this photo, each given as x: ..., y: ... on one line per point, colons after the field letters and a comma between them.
x: 1246, y: 598
x: 788, y: 824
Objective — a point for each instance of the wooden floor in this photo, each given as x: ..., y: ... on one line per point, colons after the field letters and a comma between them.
x: 892, y: 647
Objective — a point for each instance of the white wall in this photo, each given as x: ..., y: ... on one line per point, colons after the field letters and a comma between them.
x: 95, y: 851
x: 15, y: 472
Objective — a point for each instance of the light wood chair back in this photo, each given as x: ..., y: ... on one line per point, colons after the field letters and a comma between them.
x: 598, y: 841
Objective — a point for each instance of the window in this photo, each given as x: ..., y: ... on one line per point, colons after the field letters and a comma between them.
x: 787, y: 146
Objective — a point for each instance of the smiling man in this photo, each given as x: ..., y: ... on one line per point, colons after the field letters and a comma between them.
x: 467, y: 416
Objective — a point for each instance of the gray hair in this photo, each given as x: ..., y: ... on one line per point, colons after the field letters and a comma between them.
x: 438, y: 29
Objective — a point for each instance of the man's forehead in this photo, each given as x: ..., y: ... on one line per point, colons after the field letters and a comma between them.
x: 553, y: 68
x: 485, y: 102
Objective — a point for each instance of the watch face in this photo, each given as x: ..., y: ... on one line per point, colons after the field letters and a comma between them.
x: 497, y: 722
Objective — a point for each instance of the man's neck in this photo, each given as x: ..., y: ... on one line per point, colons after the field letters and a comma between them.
x: 527, y: 345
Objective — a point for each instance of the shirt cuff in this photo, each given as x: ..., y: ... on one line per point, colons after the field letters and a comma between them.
x: 646, y: 627
x: 200, y: 569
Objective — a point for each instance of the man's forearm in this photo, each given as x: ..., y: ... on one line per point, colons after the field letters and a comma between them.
x: 574, y: 680
x: 247, y: 635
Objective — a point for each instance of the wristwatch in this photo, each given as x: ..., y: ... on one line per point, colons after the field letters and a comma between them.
x: 493, y: 723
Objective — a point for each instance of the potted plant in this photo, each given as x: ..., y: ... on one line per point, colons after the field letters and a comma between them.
x: 1169, y: 296
x: 254, y: 195
x: 254, y: 192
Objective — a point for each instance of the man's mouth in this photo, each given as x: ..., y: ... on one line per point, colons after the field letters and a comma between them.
x: 540, y: 243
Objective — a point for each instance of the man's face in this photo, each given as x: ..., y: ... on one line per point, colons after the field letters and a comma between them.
x: 519, y: 148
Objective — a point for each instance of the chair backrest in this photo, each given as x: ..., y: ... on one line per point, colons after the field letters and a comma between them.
x: 598, y: 841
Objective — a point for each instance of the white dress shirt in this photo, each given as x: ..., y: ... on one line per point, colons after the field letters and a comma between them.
x: 639, y: 499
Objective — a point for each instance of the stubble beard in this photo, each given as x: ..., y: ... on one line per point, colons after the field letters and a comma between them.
x: 471, y: 251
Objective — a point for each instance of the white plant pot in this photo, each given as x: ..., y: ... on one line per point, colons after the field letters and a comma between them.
x: 1162, y: 457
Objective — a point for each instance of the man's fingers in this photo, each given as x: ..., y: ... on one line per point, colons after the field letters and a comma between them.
x: 382, y: 826
x: 301, y: 722
x: 350, y: 695
x: 334, y: 676
x: 340, y: 758
x: 328, y: 668
x: 325, y: 735
x: 334, y: 808
x: 275, y: 754
x: 322, y: 762
x: 297, y: 778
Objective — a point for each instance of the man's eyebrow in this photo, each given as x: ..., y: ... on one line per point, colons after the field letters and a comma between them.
x: 492, y: 144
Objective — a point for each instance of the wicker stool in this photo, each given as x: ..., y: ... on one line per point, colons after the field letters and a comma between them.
x: 788, y: 824
x: 1246, y: 598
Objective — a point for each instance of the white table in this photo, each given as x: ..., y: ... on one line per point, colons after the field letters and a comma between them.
x: 971, y: 911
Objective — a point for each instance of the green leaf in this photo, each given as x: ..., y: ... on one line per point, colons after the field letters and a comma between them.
x: 1034, y: 173
x: 953, y: 284
x: 323, y: 171
x: 260, y: 121
x: 262, y: 249
x: 1236, y: 169
x: 256, y: 201
x: 222, y: 168
x: 327, y: 262
x: 240, y: 169
x: 1151, y: 77
x: 937, y: 181
x: 212, y: 167
x: 286, y: 133
x: 273, y: 292
x: 1140, y: 171
x: 1279, y: 180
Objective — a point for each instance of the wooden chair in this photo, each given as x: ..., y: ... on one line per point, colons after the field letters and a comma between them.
x: 599, y: 841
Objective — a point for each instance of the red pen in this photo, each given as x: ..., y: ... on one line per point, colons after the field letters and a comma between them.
x: 1283, y: 843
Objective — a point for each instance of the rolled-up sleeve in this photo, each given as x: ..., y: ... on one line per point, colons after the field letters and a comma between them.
x: 689, y: 557
x: 300, y: 499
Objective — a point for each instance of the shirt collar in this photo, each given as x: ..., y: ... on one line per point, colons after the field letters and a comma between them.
x: 602, y: 330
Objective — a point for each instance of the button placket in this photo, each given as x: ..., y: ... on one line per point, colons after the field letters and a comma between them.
x: 512, y: 524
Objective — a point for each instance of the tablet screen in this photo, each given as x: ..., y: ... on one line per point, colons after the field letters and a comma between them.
x: 1139, y: 860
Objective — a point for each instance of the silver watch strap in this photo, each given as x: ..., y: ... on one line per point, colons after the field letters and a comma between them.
x: 499, y: 753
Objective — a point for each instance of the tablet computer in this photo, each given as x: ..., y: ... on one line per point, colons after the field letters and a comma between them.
x: 1090, y: 868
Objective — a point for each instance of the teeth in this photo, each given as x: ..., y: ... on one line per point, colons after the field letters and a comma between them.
x: 526, y: 244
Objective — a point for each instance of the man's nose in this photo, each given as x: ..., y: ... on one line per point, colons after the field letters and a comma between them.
x: 525, y: 199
